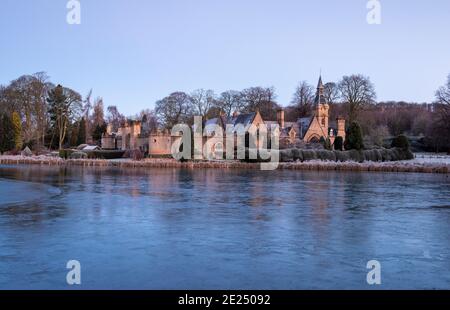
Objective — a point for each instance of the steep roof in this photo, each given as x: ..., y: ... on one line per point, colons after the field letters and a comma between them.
x: 211, y: 123
x: 320, y: 93
x: 303, y: 125
x: 320, y: 84
x: 244, y: 120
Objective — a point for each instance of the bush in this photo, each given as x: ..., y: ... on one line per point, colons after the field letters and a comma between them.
x: 78, y: 155
x: 138, y: 155
x: 339, y: 143
x: 372, y: 155
x: 106, y: 154
x: 297, y: 154
x: 354, y: 140
x: 342, y: 156
x: 401, y: 142
x: 326, y: 155
x: 286, y: 155
x: 356, y: 156
x: 309, y: 155
x: 385, y: 154
x: 65, y: 153
x: 327, y: 144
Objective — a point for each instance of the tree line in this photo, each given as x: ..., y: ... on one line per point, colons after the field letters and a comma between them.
x: 37, y: 113
x: 42, y: 115
x: 356, y: 91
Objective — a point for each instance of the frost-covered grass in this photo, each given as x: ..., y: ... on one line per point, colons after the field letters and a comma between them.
x: 432, y: 158
x: 417, y: 166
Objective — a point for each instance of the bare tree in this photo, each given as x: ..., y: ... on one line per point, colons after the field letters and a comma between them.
x: 64, y: 105
x: 202, y: 101
x: 303, y: 99
x: 174, y: 109
x: 443, y: 94
x: 331, y: 92
x: 149, y: 121
x: 229, y: 102
x: 41, y: 86
x: 114, y: 117
x: 26, y: 96
x: 98, y: 114
x: 442, y: 112
x: 356, y: 91
x: 87, y: 106
x: 260, y: 99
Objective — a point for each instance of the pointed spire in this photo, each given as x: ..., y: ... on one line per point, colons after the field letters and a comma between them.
x: 320, y: 84
x: 320, y: 94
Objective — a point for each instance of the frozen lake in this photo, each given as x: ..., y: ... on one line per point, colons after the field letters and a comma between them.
x: 216, y: 229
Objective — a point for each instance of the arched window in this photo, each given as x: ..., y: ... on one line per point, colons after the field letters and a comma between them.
x: 314, y: 140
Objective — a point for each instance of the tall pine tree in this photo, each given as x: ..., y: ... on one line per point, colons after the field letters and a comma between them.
x: 6, y: 134
x: 82, y: 132
x: 17, y: 131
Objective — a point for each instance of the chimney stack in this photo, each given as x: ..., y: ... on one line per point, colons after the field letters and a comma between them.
x: 280, y: 118
x: 341, y: 127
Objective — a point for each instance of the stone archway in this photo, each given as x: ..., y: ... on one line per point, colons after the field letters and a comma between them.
x: 218, y: 150
x: 314, y: 139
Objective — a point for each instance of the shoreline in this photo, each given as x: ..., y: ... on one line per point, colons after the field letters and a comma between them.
x: 316, y: 165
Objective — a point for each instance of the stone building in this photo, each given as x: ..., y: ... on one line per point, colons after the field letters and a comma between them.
x: 215, y: 145
x: 160, y: 143
x: 131, y: 136
x: 314, y: 128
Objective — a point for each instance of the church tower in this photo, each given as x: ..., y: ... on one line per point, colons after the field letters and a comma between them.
x: 322, y: 108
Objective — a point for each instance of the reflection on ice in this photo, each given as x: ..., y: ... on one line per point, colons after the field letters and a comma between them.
x: 182, y: 229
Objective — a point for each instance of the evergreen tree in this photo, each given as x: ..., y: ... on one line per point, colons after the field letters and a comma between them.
x: 354, y: 140
x: 82, y: 132
x: 6, y: 134
x: 401, y: 141
x: 99, y: 130
x: 74, y: 134
x: 63, y: 104
x: 17, y: 130
x: 338, y: 143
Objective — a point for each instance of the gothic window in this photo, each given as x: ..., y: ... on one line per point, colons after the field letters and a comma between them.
x: 323, y: 121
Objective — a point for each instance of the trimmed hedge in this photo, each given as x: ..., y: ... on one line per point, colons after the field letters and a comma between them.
x: 105, y: 154
x: 375, y: 155
x: 98, y: 154
x: 401, y: 141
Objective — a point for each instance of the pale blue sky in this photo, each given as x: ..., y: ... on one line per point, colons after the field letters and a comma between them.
x: 134, y: 52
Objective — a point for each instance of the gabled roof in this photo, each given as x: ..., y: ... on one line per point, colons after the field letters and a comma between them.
x: 303, y: 125
x: 211, y: 123
x: 245, y: 120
